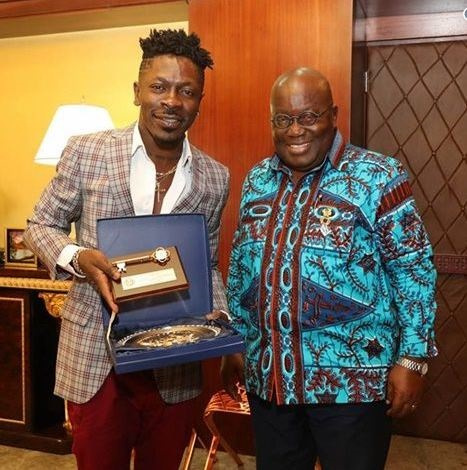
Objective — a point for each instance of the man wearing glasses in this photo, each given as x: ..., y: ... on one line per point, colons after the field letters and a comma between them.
x: 331, y: 283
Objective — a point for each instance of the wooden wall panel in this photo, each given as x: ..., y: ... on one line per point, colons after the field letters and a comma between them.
x: 252, y: 42
x: 433, y: 25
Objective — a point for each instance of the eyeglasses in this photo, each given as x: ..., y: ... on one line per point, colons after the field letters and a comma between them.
x: 305, y: 119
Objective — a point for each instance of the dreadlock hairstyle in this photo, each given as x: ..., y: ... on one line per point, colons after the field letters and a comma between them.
x: 171, y: 41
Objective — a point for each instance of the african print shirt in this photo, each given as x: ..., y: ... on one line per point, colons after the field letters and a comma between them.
x: 331, y: 279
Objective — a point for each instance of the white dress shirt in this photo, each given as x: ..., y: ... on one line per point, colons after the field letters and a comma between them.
x: 143, y: 187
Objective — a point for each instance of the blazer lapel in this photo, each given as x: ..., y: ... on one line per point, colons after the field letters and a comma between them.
x: 192, y: 199
x: 118, y: 164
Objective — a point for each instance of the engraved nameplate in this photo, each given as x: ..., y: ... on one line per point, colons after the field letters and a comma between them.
x: 144, y: 280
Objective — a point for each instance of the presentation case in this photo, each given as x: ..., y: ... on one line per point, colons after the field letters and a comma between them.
x: 170, y: 317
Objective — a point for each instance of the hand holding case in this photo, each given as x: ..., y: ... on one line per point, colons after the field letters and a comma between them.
x: 187, y: 232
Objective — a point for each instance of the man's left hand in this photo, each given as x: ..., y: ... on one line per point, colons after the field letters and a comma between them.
x: 405, y: 390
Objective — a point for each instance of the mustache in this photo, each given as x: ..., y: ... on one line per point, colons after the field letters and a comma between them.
x: 170, y: 113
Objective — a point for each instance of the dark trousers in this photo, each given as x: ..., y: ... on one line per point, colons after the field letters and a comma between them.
x: 127, y: 414
x: 344, y: 437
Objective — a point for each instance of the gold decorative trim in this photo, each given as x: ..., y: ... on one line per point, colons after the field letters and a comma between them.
x: 53, y: 302
x: 36, y: 284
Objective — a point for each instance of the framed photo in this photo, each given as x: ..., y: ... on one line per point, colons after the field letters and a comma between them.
x: 17, y: 255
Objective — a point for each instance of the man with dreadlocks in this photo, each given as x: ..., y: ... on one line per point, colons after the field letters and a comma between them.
x: 147, y: 168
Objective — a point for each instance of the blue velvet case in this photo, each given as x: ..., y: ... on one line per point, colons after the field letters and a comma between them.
x: 118, y: 236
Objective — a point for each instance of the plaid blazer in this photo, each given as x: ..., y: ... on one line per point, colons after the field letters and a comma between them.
x: 93, y: 181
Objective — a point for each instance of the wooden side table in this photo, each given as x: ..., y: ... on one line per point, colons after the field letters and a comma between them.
x: 31, y: 416
x: 54, y: 303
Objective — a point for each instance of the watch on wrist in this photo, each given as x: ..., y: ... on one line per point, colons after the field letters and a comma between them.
x: 75, y: 263
x: 419, y: 367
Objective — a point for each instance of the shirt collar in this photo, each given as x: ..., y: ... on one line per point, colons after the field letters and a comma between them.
x: 137, y: 144
x: 334, y: 154
x: 337, y: 149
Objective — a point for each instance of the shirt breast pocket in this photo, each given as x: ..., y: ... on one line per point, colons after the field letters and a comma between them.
x: 331, y: 225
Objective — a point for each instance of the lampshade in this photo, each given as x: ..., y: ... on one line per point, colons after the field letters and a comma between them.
x: 68, y: 120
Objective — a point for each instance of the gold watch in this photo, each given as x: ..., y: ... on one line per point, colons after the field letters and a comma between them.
x: 420, y: 367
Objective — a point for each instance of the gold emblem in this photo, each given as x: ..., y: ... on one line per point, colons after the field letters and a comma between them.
x: 325, y: 215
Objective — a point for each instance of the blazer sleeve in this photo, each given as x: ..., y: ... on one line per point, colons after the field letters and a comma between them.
x: 60, y: 204
x: 219, y: 298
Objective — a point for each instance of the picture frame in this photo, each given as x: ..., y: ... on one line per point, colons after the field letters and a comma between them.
x: 17, y: 255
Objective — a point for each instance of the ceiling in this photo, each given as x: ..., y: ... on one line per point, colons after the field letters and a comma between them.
x: 157, y: 13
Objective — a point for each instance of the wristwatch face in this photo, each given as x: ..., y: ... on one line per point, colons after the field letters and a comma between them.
x: 423, y: 368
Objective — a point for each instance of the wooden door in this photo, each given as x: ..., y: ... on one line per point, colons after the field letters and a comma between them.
x: 417, y: 111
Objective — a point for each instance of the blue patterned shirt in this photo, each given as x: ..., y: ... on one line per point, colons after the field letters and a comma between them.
x: 331, y: 279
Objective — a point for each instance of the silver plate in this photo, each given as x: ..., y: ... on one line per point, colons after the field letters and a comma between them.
x: 168, y: 336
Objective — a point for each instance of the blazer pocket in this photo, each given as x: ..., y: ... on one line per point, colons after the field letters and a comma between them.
x: 81, y: 303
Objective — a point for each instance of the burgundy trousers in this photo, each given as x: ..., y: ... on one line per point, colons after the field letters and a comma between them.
x: 127, y: 414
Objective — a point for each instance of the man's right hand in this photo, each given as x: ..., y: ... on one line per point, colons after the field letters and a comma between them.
x: 232, y: 373
x: 99, y: 271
